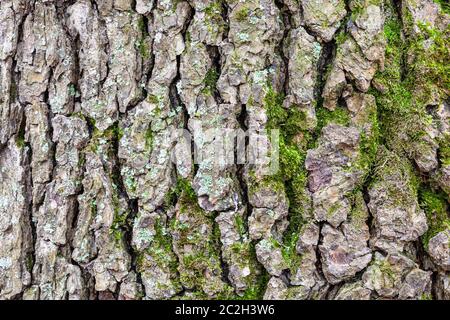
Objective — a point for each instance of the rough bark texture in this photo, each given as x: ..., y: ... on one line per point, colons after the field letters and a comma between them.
x: 92, y: 205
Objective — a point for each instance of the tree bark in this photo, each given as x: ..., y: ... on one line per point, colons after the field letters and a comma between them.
x: 101, y: 197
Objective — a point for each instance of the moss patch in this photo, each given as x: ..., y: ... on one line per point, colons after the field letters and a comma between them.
x: 445, y: 5
x: 244, y: 253
x: 210, y: 81
x: 403, y: 117
x: 293, y: 143
x: 436, y: 208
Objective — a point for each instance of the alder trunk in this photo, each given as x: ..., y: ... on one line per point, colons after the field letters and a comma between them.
x: 103, y: 195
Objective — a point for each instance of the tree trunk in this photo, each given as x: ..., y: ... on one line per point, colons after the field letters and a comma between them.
x: 276, y: 149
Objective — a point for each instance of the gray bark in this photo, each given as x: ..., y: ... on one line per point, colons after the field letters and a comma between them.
x: 99, y: 199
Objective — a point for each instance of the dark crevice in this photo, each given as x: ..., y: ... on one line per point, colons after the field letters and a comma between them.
x: 287, y: 22
x: 224, y: 266
x: 397, y: 6
x: 225, y: 17
x: 26, y: 150
x: 174, y: 97
x: 26, y: 163
x: 132, y: 204
x: 75, y: 44
x: 147, y: 64
x: 318, y: 263
x: 133, y: 212
x: 216, y: 70
x: 325, y: 60
x: 148, y: 59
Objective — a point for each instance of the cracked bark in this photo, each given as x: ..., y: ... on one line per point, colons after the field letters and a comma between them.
x: 94, y: 206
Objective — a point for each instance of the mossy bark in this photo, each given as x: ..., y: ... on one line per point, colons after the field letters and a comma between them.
x: 99, y: 201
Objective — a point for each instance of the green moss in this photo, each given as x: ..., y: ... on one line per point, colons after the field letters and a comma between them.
x: 359, y: 212
x: 183, y: 192
x: 30, y: 262
x: 20, y: 140
x: 114, y: 132
x: 426, y: 296
x: 431, y: 67
x: 109, y: 136
x: 240, y: 224
x: 290, y: 160
x: 188, y: 38
x: 73, y: 90
x: 242, y: 14
x: 204, y: 253
x: 387, y: 270
x: 93, y: 206
x: 368, y: 147
x: 276, y: 114
x: 292, y: 176
x: 12, y: 91
x: 203, y: 256
x: 151, y: 98
x: 289, y: 251
x: 244, y: 253
x: 403, y: 118
x: 213, y: 16
x: 445, y: 5
x: 444, y: 150
x: 357, y: 8
x: 142, y: 26
x: 395, y: 104
x: 91, y: 123
x: 341, y: 37
x: 81, y: 159
x: 436, y: 208
x: 210, y: 81
x: 333, y: 209
x: 149, y: 137
x: 389, y: 169
x: 162, y: 236
x: 175, y: 4
x: 160, y: 250
x: 338, y: 116
x: 256, y: 292
x: 143, y: 47
x: 130, y: 183
x: 214, y: 8
x: 142, y: 43
x: 120, y: 222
